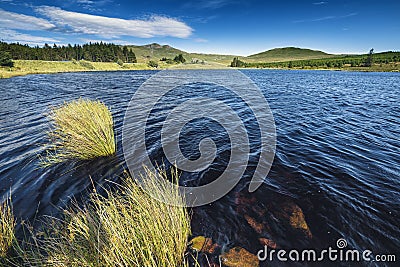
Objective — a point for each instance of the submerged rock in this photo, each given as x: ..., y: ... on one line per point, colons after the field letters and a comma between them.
x: 197, y: 243
x: 293, y: 213
x: 267, y: 242
x: 239, y: 257
x: 283, y: 214
x: 297, y: 220
x: 203, y: 244
x: 258, y: 227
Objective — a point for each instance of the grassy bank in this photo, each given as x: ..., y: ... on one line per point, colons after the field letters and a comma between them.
x: 190, y: 66
x: 393, y: 67
x: 24, y: 67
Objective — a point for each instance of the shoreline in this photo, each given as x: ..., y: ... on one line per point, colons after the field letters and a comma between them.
x: 347, y: 69
x: 29, y: 67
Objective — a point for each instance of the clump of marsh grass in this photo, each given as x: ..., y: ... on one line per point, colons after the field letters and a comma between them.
x: 7, y: 225
x: 124, y: 228
x: 82, y: 129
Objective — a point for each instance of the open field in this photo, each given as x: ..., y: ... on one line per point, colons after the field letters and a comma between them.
x: 207, y: 65
x: 24, y: 67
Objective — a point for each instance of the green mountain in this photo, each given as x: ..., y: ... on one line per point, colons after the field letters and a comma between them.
x: 156, y: 51
x: 287, y: 54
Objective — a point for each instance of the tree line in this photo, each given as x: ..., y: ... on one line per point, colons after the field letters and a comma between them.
x: 177, y: 59
x: 336, y: 62
x: 5, y: 59
x: 95, y: 52
x: 237, y: 63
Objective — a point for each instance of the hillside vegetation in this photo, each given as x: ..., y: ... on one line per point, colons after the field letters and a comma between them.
x: 24, y: 67
x: 156, y: 51
x: 145, y: 53
x: 287, y: 54
x: 386, y: 61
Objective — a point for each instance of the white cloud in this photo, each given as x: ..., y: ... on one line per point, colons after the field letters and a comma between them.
x: 11, y: 20
x: 13, y: 36
x: 107, y: 27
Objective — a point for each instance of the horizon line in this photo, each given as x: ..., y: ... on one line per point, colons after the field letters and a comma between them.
x: 197, y: 52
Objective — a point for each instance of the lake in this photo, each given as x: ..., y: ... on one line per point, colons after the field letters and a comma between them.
x: 337, y: 154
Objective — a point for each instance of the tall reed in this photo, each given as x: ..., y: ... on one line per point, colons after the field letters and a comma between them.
x: 82, y: 129
x: 7, y: 225
x: 126, y: 227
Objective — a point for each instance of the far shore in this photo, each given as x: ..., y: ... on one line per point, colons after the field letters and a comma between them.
x: 26, y: 67
x: 348, y: 69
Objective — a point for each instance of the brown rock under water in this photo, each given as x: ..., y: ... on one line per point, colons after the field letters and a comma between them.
x: 258, y: 227
x: 239, y: 257
x: 203, y: 244
x: 296, y: 217
x: 267, y: 242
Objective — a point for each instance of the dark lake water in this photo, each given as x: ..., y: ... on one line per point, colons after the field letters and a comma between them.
x: 337, y: 154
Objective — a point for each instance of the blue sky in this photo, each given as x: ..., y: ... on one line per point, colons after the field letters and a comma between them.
x: 214, y: 26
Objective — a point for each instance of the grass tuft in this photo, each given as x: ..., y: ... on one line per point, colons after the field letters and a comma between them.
x: 83, y: 129
x: 7, y: 225
x: 125, y: 228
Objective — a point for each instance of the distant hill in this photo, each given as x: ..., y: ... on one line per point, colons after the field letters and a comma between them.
x: 287, y: 54
x: 156, y: 51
